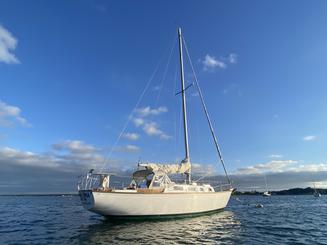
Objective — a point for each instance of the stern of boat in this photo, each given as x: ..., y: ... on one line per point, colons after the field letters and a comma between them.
x: 88, y: 183
x: 87, y: 198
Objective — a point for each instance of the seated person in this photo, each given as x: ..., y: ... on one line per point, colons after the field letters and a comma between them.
x: 105, y: 183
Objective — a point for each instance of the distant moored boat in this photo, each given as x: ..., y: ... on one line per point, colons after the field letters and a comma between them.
x: 266, y: 193
x: 316, y: 192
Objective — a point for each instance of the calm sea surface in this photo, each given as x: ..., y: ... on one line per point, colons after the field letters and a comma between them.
x: 62, y: 220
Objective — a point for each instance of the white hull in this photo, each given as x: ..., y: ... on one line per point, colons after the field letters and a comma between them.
x: 266, y: 194
x: 159, y: 204
x: 317, y: 195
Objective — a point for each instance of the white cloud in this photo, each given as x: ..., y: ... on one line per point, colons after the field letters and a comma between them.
x: 275, y: 156
x: 203, y: 169
x: 274, y: 166
x: 26, y: 158
x: 309, y: 168
x: 164, y: 136
x: 128, y: 149
x: 211, y: 63
x: 10, y: 114
x: 68, y: 156
x: 74, y: 146
x: 147, y: 111
x: 138, y: 122
x: 132, y: 148
x: 8, y: 44
x: 233, y: 58
x: 309, y: 138
x: 152, y: 129
x: 57, y: 170
x: 131, y: 136
x: 71, y: 160
x: 282, y: 166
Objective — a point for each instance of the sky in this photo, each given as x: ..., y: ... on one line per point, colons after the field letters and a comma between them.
x: 92, y: 84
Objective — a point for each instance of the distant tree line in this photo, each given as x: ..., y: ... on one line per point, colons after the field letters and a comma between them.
x: 294, y: 191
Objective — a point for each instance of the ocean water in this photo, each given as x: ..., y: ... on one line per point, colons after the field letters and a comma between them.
x: 62, y: 220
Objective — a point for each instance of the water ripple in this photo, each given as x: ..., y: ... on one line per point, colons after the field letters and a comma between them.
x: 62, y: 220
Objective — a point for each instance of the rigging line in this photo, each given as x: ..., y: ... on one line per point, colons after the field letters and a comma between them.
x: 130, y: 115
x: 206, y: 175
x: 207, y: 114
x: 166, y: 70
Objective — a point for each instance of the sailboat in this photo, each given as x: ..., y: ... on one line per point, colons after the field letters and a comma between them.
x: 316, y: 192
x: 152, y: 192
x: 266, y: 193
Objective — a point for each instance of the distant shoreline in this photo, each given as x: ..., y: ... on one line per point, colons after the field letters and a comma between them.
x: 43, y: 194
x: 293, y: 191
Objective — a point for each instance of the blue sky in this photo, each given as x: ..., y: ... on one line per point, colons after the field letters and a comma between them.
x: 72, y: 71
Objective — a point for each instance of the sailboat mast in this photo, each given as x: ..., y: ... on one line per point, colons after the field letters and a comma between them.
x: 187, y: 154
x: 266, y: 183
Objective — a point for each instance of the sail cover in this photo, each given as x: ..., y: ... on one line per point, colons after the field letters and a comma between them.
x: 183, y: 168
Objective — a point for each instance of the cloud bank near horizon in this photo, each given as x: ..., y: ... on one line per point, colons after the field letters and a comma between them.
x: 58, y: 169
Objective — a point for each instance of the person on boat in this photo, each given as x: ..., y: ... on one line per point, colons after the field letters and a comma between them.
x: 105, y: 183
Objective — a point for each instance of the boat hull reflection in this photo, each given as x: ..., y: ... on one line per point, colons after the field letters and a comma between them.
x: 204, y: 229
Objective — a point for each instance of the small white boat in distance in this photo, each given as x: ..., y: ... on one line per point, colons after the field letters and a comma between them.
x: 266, y: 193
x: 151, y: 192
x: 316, y: 192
